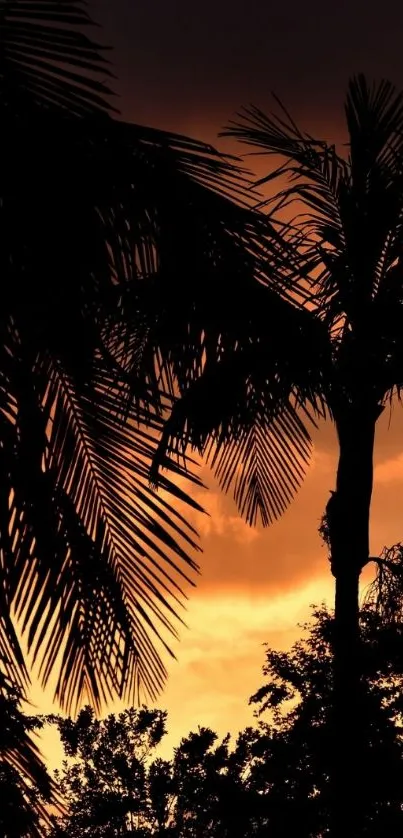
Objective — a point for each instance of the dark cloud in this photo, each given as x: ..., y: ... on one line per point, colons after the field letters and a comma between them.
x: 190, y: 65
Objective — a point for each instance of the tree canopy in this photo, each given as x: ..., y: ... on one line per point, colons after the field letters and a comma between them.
x: 272, y: 777
x: 103, y: 223
x: 323, y: 342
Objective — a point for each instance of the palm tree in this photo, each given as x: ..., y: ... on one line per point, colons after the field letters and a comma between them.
x: 322, y: 338
x: 92, y: 214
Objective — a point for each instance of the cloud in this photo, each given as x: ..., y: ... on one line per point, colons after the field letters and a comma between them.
x: 390, y: 471
x: 289, y: 553
x: 222, y: 522
x: 256, y: 585
x: 220, y: 657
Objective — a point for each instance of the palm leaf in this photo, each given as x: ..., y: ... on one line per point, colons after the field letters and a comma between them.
x: 12, y: 664
x: 98, y: 561
x: 93, y: 214
x: 264, y: 464
x: 315, y: 176
x: 95, y: 566
x: 351, y: 208
x: 314, y: 168
x: 374, y: 115
x: 385, y: 592
x: 47, y: 61
x: 245, y: 410
x: 344, y: 247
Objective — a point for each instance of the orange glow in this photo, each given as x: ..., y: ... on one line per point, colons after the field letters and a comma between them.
x: 255, y: 587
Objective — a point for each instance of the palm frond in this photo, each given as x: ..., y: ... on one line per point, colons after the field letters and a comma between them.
x: 96, y: 565
x: 385, y: 593
x: 99, y: 562
x: 104, y: 307
x: 12, y: 664
x: 264, y: 464
x: 245, y: 410
x: 374, y: 115
x: 204, y: 208
x: 372, y: 200
x: 347, y: 233
x: 47, y: 60
x: 314, y: 175
x: 128, y: 209
x: 314, y: 168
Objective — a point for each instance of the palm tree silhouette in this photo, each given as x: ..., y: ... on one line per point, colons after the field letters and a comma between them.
x: 320, y: 338
x: 92, y: 562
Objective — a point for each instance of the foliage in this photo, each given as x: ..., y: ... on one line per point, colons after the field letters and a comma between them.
x: 104, y: 779
x: 94, y: 213
x: 321, y: 336
x: 48, y: 60
x: 293, y: 749
x: 114, y: 784
x: 26, y: 788
x: 274, y: 776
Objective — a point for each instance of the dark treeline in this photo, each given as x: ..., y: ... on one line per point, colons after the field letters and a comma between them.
x: 273, y: 779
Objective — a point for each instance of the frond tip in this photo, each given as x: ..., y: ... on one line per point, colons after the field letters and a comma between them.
x: 264, y: 464
x: 250, y: 431
x: 249, y: 408
x: 47, y: 60
x: 385, y: 593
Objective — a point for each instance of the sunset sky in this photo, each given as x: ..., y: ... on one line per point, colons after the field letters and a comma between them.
x: 189, y: 67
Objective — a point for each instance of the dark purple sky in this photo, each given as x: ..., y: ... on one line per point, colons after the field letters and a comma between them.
x: 190, y: 65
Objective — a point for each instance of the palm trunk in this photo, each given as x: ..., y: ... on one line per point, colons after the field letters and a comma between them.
x: 347, y: 743
x: 349, y: 544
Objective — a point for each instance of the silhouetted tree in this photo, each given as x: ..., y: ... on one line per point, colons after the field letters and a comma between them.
x: 210, y: 795
x: 100, y: 221
x: 105, y: 781
x: 113, y: 785
x: 325, y: 341
x: 292, y: 760
x: 26, y: 788
x: 273, y: 779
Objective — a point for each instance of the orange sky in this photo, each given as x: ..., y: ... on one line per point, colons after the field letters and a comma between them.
x: 257, y: 585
